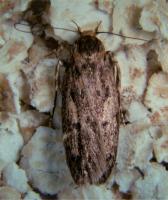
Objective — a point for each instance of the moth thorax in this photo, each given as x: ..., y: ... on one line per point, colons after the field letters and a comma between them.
x: 88, y: 44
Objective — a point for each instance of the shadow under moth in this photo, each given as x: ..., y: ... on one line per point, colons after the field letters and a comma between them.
x: 90, y: 107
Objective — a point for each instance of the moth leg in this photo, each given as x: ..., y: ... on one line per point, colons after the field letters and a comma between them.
x: 116, y: 70
x: 122, y: 115
x: 56, y: 86
x: 117, y: 75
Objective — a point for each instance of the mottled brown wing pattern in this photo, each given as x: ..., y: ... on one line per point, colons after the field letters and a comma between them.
x: 90, y: 116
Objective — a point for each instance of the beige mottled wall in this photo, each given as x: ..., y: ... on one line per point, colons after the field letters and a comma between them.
x: 32, y: 157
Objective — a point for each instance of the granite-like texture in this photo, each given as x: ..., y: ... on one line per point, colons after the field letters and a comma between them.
x: 32, y: 150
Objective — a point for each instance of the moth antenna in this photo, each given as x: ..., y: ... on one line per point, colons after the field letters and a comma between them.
x: 97, y: 27
x: 117, y: 34
x: 79, y: 29
x: 16, y: 24
x: 65, y: 29
x: 24, y: 24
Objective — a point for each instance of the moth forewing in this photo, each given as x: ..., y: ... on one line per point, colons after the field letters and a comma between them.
x: 90, y: 111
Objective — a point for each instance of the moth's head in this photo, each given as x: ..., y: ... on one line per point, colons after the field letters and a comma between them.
x: 88, y: 43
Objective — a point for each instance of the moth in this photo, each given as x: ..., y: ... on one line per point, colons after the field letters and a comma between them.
x: 90, y: 110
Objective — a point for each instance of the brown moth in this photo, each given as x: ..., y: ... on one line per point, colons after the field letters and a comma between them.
x: 90, y: 110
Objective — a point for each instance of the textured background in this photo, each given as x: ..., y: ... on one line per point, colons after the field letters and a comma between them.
x: 32, y: 157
